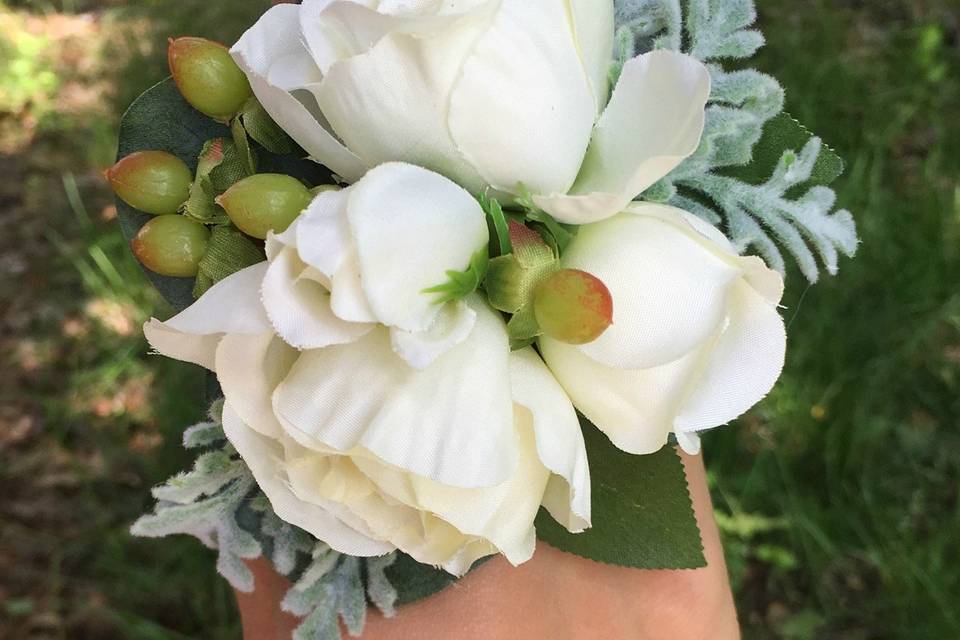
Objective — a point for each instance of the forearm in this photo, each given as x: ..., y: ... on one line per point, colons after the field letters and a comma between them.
x: 554, y: 595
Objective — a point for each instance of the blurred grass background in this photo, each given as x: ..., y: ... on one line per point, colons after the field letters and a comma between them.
x: 837, y: 497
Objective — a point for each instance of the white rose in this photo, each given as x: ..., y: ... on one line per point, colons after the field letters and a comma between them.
x: 696, y: 338
x: 497, y: 93
x: 364, y: 255
x: 449, y: 461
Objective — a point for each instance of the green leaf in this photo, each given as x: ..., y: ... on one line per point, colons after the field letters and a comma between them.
x: 414, y: 581
x: 462, y: 283
x: 161, y: 119
x: 642, y: 513
x: 783, y: 133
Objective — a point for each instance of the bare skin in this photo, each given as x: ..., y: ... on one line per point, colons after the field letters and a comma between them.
x: 554, y: 596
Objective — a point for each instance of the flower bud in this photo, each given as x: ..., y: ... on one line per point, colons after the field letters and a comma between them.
x: 207, y: 77
x: 154, y: 182
x: 573, y: 306
x: 171, y: 245
x: 265, y: 202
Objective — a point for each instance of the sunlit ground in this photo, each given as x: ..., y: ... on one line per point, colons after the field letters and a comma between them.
x: 838, y: 496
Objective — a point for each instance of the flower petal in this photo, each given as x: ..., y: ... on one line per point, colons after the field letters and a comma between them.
x: 249, y: 369
x: 545, y: 408
x: 276, y: 64
x: 230, y: 306
x: 502, y: 514
x: 451, y: 422
x: 653, y: 122
x: 265, y: 459
x: 744, y: 363
x: 299, y: 306
x: 669, y: 291
x: 391, y: 102
x: 593, y: 24
x: 451, y: 327
x: 411, y: 227
x: 635, y: 408
x: 523, y: 108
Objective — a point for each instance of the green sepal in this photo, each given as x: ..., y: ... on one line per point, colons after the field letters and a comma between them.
x: 462, y: 283
x: 512, y: 279
x: 784, y: 133
x: 247, y: 155
x: 558, y: 236
x: 498, y: 220
x: 641, y: 511
x: 523, y: 329
x: 219, y: 166
x: 263, y: 130
x: 228, y: 251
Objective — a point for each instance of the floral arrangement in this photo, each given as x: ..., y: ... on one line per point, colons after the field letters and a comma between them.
x: 465, y: 273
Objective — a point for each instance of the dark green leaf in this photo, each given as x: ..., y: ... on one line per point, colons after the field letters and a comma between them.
x: 161, y: 119
x: 642, y: 514
x: 780, y: 134
x: 414, y: 581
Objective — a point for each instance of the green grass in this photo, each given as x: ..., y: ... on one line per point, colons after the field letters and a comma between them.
x: 838, y: 496
x: 855, y: 454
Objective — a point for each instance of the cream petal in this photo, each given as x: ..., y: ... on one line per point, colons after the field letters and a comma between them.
x: 343, y: 481
x: 266, y: 58
x: 411, y: 227
x: 545, y: 408
x: 299, y: 307
x: 503, y: 515
x: 323, y: 233
x: 669, y: 292
x: 523, y: 108
x: 451, y: 422
x: 264, y: 457
x: 653, y: 122
x: 230, y: 306
x: 347, y: 298
x: 593, y: 24
x: 391, y: 102
x: 249, y: 369
x: 451, y: 327
x: 743, y: 365
x: 634, y: 408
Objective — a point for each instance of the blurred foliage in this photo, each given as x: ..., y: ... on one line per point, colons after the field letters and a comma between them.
x: 837, y: 498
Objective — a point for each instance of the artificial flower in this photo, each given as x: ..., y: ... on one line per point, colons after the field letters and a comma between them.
x: 508, y: 94
x: 367, y: 255
x: 449, y: 460
x: 696, y: 338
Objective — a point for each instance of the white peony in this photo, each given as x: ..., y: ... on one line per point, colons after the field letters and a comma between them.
x: 490, y: 93
x: 696, y: 338
x: 448, y: 460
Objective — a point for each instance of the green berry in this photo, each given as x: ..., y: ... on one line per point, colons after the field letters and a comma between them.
x: 207, y: 77
x: 171, y: 245
x: 573, y: 306
x: 265, y: 202
x: 154, y: 182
